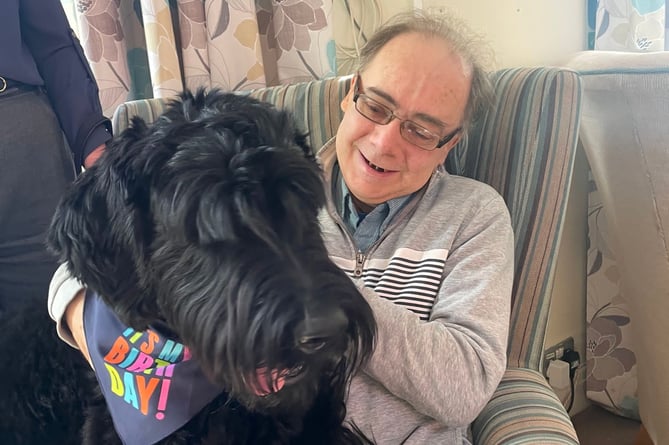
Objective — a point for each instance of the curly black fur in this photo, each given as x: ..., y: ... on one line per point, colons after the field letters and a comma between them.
x: 204, y: 222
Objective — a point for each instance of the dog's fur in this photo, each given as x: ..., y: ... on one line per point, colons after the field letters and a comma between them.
x: 204, y: 222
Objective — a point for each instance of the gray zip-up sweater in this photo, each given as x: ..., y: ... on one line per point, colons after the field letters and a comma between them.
x: 439, y: 282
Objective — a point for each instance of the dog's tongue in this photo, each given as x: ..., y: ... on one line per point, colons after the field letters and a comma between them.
x: 268, y: 381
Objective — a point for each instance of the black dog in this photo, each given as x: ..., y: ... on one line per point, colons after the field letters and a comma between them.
x: 213, y: 315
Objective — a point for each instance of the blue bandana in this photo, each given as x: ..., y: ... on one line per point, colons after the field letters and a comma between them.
x: 150, y: 382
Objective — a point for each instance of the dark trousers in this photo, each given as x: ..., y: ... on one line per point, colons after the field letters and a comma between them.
x: 35, y: 169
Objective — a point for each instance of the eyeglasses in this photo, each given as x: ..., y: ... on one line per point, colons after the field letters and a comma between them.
x: 380, y: 114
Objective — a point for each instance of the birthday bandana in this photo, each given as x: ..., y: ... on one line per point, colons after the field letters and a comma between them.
x: 150, y: 382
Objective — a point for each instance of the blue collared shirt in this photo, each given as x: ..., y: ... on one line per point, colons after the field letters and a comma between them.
x: 365, y: 227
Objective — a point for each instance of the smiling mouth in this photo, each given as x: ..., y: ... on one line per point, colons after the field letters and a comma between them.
x: 375, y: 167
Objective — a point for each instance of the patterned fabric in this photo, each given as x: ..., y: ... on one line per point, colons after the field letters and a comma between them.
x: 528, y: 158
x: 365, y: 227
x: 409, y: 278
x: 610, y: 359
x: 525, y: 149
x: 624, y: 135
x: 630, y: 26
x: 315, y: 105
x: 524, y: 410
x: 154, y: 48
x: 149, y: 110
x: 627, y: 25
x: 151, y: 383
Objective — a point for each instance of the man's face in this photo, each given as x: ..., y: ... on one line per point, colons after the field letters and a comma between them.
x: 417, y: 78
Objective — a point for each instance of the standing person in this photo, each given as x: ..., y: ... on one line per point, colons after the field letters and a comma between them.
x: 431, y: 252
x: 47, y: 91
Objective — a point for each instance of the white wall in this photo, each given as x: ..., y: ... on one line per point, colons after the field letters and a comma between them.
x: 521, y: 32
x: 524, y: 32
x: 530, y: 33
x: 567, y: 315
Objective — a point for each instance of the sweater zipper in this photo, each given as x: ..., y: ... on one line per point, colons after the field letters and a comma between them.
x: 359, y: 256
x: 359, y: 261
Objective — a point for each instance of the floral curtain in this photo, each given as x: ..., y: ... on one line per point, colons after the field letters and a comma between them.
x: 627, y: 25
x: 631, y: 26
x: 154, y: 48
x: 611, y: 379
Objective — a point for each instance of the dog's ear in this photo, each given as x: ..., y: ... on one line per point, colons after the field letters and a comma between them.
x: 296, y: 191
x: 273, y: 191
x: 100, y: 226
x: 294, y: 184
x: 244, y: 169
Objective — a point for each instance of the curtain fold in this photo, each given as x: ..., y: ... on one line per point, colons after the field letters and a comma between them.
x: 154, y: 48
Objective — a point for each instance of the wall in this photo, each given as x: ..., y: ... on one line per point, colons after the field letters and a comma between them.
x: 567, y: 316
x: 524, y: 32
x: 521, y: 32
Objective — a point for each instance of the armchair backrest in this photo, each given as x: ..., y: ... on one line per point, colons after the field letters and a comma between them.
x: 524, y: 147
x: 315, y: 106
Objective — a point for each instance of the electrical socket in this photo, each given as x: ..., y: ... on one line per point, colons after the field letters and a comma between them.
x: 556, y: 351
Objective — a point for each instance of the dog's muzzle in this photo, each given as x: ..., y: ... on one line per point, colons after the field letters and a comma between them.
x: 319, y: 330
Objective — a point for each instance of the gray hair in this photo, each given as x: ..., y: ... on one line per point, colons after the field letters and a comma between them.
x: 468, y: 45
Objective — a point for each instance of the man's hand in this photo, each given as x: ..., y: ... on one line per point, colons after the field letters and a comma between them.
x: 93, y: 156
x: 74, y: 317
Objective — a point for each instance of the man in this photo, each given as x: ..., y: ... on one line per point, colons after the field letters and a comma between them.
x: 432, y: 253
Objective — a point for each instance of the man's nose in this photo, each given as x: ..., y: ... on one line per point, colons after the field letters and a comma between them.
x: 387, y: 137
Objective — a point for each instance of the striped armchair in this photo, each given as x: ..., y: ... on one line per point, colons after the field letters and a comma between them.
x: 525, y: 149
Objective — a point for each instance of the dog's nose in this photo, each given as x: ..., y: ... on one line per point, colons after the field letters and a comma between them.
x: 317, y: 331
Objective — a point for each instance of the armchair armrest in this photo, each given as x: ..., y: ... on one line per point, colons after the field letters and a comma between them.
x: 523, y: 410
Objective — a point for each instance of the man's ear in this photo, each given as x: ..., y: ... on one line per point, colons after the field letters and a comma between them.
x: 453, y: 142
x: 450, y: 145
x: 346, y: 101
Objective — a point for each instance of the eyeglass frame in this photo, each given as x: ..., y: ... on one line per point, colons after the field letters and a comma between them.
x: 390, y: 115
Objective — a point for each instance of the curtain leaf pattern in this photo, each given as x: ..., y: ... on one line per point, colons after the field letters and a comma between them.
x: 611, y: 379
x: 628, y: 25
x: 154, y: 48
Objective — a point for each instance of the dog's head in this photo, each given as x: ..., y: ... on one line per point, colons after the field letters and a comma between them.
x: 206, y: 221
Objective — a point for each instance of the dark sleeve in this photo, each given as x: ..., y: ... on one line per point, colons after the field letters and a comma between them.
x: 68, y: 78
